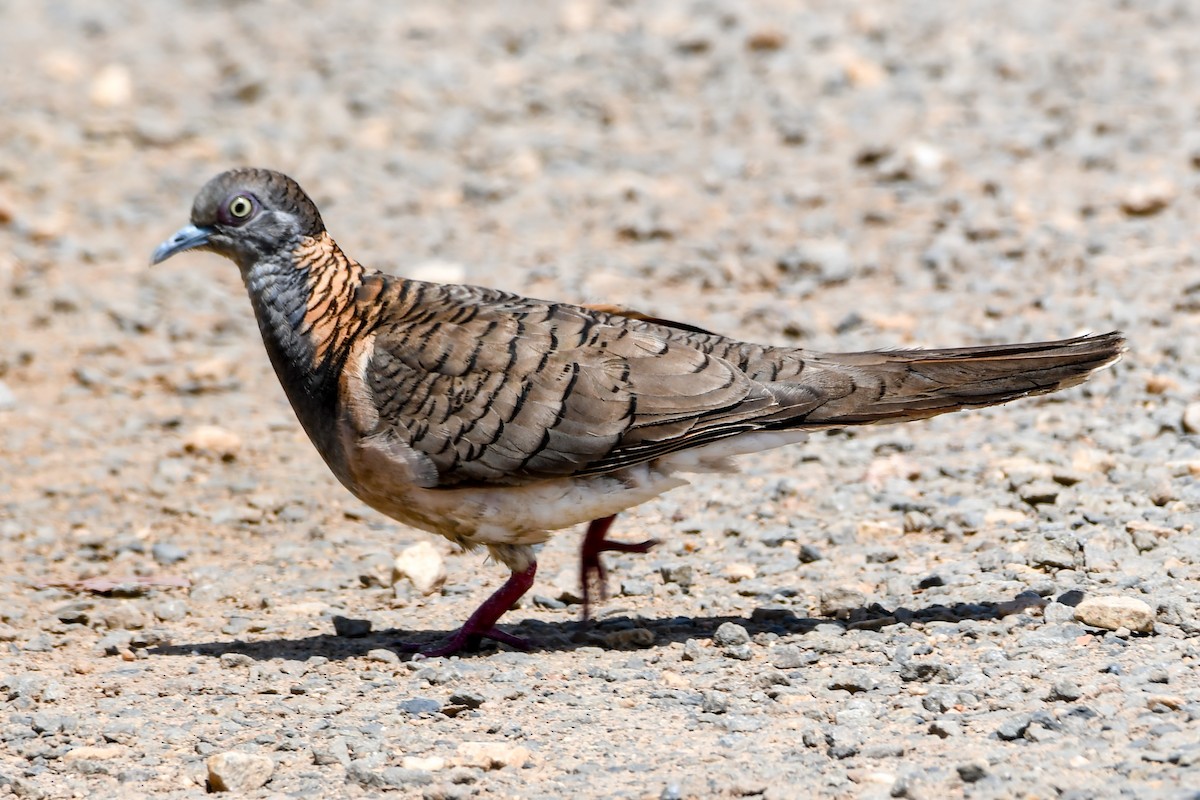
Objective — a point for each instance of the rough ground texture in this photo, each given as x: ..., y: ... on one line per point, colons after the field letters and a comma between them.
x: 888, y: 612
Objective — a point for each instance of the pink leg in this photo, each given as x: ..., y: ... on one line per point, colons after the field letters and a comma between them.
x: 482, y: 624
x: 591, y: 568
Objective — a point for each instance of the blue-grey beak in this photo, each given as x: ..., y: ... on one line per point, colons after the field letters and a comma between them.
x: 187, y: 238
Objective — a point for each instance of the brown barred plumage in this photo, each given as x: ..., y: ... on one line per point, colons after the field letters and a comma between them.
x: 495, y: 419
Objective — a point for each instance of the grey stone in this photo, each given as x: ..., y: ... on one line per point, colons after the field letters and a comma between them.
x: 333, y: 751
x: 681, y: 574
x: 972, y: 771
x: 730, y: 634
x: 115, y: 642
x: 945, y: 728
x: 170, y: 610
x: 1052, y: 553
x: 1065, y: 689
x: 715, y: 702
x: 46, y: 722
x: 168, y: 553
x: 120, y: 732
x: 809, y: 554
x: 741, y: 652
x: 1058, y: 614
x: 635, y: 587
x: 234, y: 660
x: 468, y: 698
x: 884, y: 750
x: 789, y: 657
x: 928, y: 671
x: 368, y: 775
x: 74, y: 612
x: 853, y: 681
x: 839, y: 601
x: 351, y: 628
x: 417, y: 706
x: 1013, y: 727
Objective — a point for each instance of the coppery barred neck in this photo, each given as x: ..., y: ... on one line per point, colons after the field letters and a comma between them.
x: 304, y: 300
x: 332, y: 280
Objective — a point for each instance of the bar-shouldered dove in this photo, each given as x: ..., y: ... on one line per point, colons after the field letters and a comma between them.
x: 495, y: 419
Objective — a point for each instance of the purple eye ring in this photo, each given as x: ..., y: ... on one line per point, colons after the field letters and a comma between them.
x: 238, y: 209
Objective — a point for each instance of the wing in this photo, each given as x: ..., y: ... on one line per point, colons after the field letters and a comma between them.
x: 469, y: 385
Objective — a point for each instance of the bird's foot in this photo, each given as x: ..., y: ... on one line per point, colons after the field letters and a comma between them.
x: 482, y: 624
x: 464, y: 639
x: 592, y: 571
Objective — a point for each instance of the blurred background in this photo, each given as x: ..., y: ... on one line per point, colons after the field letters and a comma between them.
x: 839, y: 175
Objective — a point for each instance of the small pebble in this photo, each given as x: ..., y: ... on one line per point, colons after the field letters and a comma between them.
x: 238, y: 772
x: 972, y: 771
x: 383, y: 656
x: 715, y: 702
x: 1116, y: 612
x: 730, y: 634
x: 492, y: 755
x: 945, y: 728
x: 209, y: 440
x: 422, y: 565
x: 629, y: 638
x: 8, y: 400
x: 351, y: 628
x: 1191, y: 417
x: 168, y: 553
x: 682, y: 574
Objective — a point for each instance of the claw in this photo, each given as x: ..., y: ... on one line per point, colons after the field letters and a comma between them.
x: 482, y: 624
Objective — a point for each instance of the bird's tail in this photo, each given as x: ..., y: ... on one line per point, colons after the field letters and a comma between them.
x: 901, y: 385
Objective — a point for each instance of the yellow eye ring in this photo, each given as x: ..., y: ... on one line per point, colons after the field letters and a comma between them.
x: 240, y: 207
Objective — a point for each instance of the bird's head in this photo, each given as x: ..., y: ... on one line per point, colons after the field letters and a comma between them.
x: 246, y: 215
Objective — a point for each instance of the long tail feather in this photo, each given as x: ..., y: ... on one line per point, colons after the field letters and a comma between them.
x: 895, y: 386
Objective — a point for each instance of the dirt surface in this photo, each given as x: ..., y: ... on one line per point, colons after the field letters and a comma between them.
x: 992, y: 604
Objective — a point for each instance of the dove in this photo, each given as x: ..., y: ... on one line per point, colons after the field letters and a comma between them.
x: 495, y: 419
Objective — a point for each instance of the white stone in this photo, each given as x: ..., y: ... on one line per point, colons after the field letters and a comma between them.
x: 739, y: 571
x: 209, y: 440
x: 423, y: 565
x: 492, y: 755
x: 1113, y: 613
x: 1191, y: 418
x: 112, y: 86
x: 94, y: 753
x: 238, y: 772
x: 430, y: 763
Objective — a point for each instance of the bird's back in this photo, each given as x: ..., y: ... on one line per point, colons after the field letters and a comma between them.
x: 489, y: 387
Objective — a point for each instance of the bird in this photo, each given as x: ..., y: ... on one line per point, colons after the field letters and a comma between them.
x: 496, y: 420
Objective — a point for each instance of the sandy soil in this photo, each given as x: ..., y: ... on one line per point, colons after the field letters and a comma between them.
x: 898, y: 612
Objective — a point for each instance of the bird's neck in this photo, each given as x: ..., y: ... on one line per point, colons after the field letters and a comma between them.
x: 304, y: 302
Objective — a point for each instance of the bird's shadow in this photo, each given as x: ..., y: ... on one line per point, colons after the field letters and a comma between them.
x: 613, y: 632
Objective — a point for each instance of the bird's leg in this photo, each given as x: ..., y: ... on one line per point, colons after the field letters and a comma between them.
x: 591, y: 568
x: 482, y: 624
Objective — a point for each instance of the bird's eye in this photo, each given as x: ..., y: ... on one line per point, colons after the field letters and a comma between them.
x: 240, y: 207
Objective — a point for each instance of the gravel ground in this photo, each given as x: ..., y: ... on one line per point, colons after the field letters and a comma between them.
x: 992, y: 604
